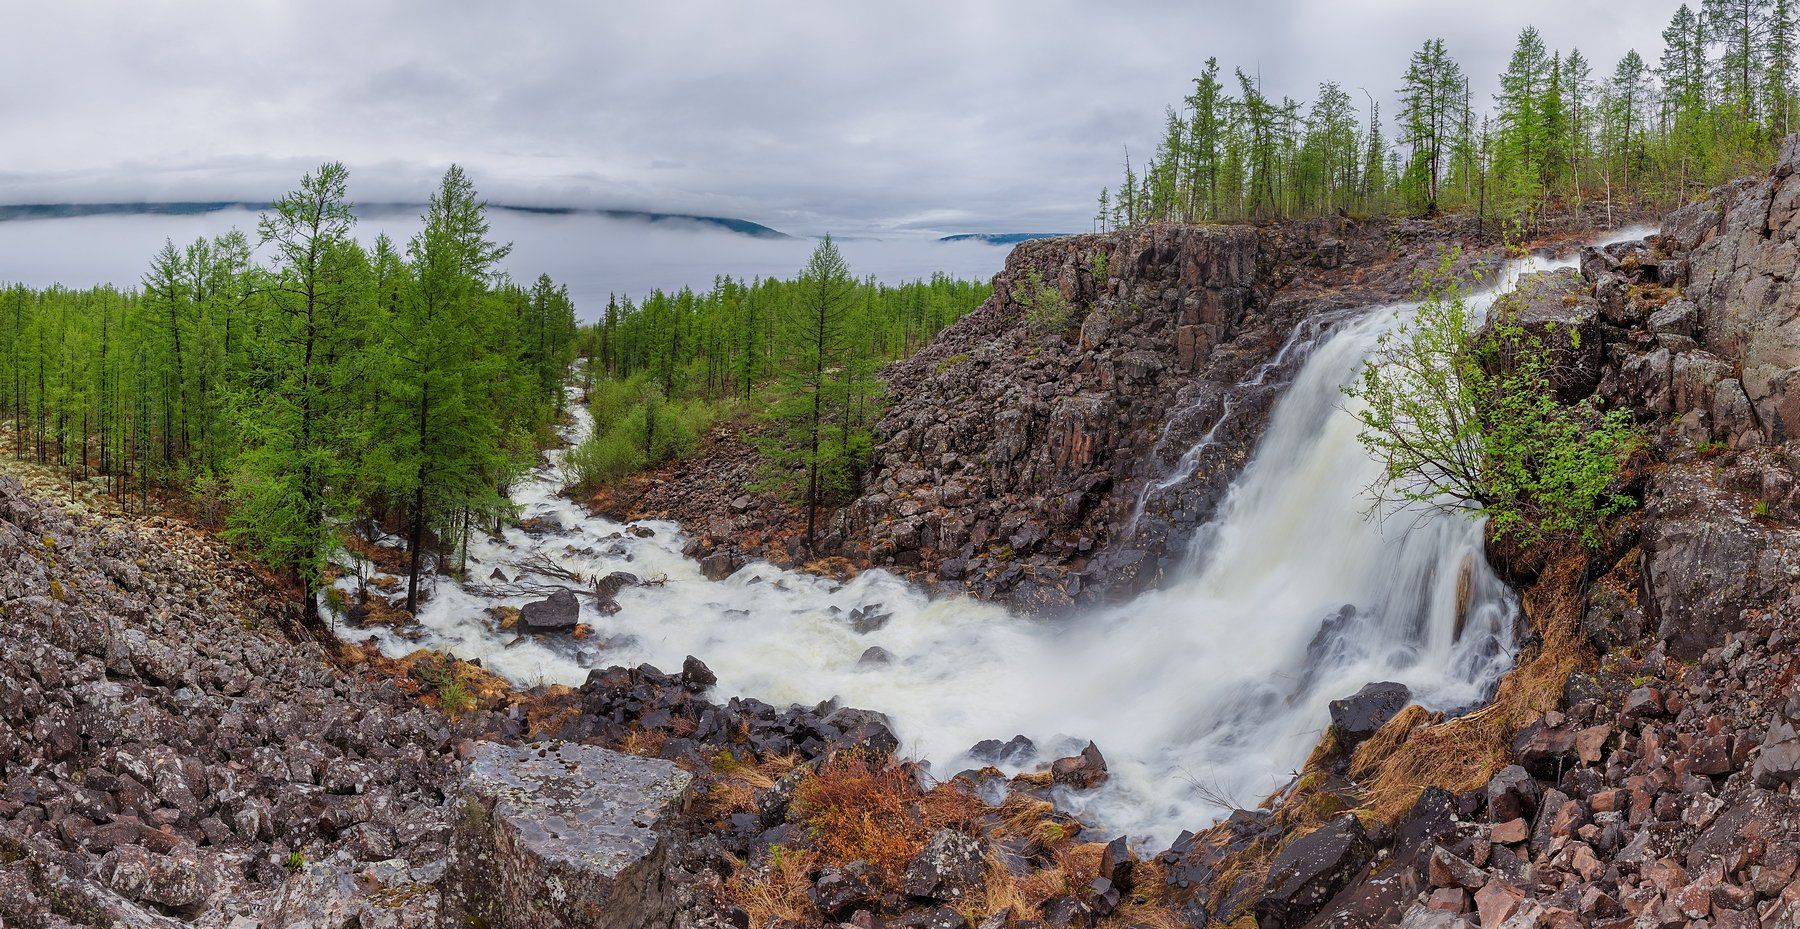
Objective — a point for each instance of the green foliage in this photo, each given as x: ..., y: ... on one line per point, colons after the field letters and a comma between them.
x: 1046, y: 309
x: 297, y: 393
x: 634, y: 429
x: 1468, y: 422
x: 1716, y: 106
x: 805, y: 352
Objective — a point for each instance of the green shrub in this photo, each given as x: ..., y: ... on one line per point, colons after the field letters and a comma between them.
x: 1046, y: 309
x: 1469, y: 422
x: 645, y: 434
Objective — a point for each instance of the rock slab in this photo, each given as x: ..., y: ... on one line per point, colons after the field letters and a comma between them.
x: 556, y: 835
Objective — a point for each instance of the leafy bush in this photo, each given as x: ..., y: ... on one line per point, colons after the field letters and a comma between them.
x: 1046, y: 309
x: 644, y: 434
x: 1469, y: 422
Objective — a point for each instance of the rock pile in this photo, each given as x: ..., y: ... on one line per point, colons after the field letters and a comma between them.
x: 167, y: 752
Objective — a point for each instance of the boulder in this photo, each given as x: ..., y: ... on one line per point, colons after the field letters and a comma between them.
x: 1705, y: 561
x: 1511, y: 794
x: 1310, y: 870
x: 840, y: 891
x: 1017, y: 750
x: 1083, y: 772
x: 1557, y: 309
x: 859, y: 730
x: 1359, y: 715
x: 696, y: 676
x: 560, y: 612
x: 950, y: 867
x: 718, y: 566
x: 1778, y: 762
x: 1544, y: 750
x: 561, y: 835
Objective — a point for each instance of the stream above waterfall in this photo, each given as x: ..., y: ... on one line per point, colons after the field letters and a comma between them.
x: 1203, y: 695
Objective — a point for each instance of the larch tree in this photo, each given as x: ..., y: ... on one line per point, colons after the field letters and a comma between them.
x: 814, y: 331
x: 1430, y: 115
x: 444, y: 457
x: 291, y: 491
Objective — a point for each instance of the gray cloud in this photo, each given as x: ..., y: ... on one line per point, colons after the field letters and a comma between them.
x: 807, y: 116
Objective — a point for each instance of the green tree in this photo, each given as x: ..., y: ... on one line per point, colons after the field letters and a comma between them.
x: 813, y: 350
x: 1468, y: 422
x: 445, y: 456
x: 1430, y: 115
x: 290, y: 491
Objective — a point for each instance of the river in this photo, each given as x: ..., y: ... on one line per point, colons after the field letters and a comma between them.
x: 1205, y: 694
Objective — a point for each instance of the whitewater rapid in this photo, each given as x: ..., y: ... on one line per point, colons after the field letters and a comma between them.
x: 1203, y: 695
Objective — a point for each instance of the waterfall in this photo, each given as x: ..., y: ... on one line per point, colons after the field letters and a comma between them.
x: 1206, y: 693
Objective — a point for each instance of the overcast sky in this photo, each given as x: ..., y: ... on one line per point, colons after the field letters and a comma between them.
x: 847, y: 116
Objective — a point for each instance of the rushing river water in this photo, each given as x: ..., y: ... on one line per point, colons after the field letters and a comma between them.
x: 1208, y: 692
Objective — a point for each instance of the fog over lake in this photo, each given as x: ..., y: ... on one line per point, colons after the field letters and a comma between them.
x: 593, y: 255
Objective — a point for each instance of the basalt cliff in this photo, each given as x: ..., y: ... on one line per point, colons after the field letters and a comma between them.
x: 1054, y: 464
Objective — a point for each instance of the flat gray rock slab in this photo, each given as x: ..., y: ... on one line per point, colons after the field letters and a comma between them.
x: 559, y: 834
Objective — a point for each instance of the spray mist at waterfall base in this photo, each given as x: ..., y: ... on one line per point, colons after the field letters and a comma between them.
x: 1205, y: 694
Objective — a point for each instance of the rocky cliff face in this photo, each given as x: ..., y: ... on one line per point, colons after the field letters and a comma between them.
x: 1053, y: 464
x: 1654, y: 786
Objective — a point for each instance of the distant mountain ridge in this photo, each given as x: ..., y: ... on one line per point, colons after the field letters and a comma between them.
x: 13, y: 211
x: 1001, y: 238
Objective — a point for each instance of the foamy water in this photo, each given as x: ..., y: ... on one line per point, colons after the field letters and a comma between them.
x: 1201, y: 695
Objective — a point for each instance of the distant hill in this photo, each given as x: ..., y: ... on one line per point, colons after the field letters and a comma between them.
x: 10, y: 211
x: 1001, y: 238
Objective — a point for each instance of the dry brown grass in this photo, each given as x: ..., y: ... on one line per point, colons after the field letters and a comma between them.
x: 1464, y: 753
x: 1076, y: 867
x: 777, y: 891
x: 1378, y: 748
x: 645, y: 742
x: 733, y: 784
x: 858, y: 808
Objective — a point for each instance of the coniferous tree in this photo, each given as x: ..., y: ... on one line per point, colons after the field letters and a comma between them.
x: 292, y: 492
x: 445, y: 455
x: 1430, y: 116
x: 815, y: 332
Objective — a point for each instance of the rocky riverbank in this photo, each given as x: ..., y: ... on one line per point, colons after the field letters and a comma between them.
x: 176, y: 750
x: 1047, y: 467
x: 1638, y: 769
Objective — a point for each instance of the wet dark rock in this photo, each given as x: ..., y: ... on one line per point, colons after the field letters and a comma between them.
x: 1358, y: 716
x: 1117, y: 863
x: 1310, y: 870
x: 1015, y: 751
x: 611, y: 584
x: 696, y: 676
x: 867, y: 619
x: 718, y: 566
x: 875, y: 655
x: 839, y: 891
x: 560, y: 612
x: 1082, y: 772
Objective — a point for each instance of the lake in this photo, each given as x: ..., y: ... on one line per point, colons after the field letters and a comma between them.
x: 593, y: 255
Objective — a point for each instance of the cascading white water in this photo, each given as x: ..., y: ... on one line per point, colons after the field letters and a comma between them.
x: 1207, y: 692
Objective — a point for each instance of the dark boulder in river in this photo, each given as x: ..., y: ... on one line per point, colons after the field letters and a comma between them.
x: 558, y: 613
x: 1357, y: 716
